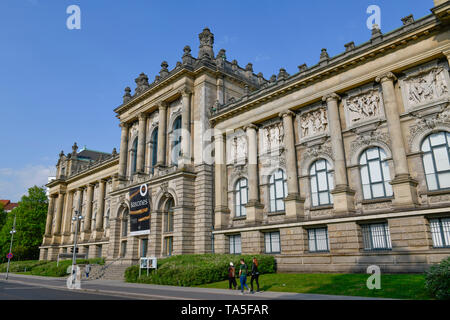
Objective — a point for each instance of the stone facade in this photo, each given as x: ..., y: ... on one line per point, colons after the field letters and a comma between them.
x: 326, y: 168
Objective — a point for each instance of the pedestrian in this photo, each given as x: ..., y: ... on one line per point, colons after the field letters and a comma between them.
x: 87, y: 269
x: 243, y: 270
x: 255, y: 274
x: 232, y: 276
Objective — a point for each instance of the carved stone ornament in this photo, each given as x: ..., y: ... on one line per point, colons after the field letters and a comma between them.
x: 314, y: 123
x: 425, y: 86
x: 134, y: 129
x: 272, y: 137
x: 363, y: 107
x: 238, y: 148
x: 142, y: 83
x: 424, y: 124
x: 368, y: 138
x: 318, y: 150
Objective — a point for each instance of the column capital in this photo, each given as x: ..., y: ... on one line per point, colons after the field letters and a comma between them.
x: 124, y: 125
x: 185, y: 92
x: 102, y: 180
x: 162, y: 105
x: 91, y: 184
x: 388, y: 76
x: 250, y: 126
x: 80, y: 189
x: 142, y: 116
x: 286, y: 113
x: 331, y: 96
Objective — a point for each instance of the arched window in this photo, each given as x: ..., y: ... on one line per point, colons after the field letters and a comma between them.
x: 241, y: 197
x: 375, y: 175
x: 277, y: 190
x: 436, y: 160
x: 176, y: 140
x: 154, y: 144
x: 168, y: 216
x: 321, y: 180
x: 125, y: 223
x: 134, y: 156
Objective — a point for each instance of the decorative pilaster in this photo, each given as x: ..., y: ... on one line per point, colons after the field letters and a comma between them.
x: 48, y: 224
x: 88, y: 217
x: 293, y: 202
x: 100, y: 209
x: 123, y: 151
x: 447, y: 54
x: 141, y: 144
x: 68, y: 216
x: 185, y: 128
x: 221, y: 210
x: 161, y: 156
x: 343, y: 196
x: 254, y: 207
x: 59, y: 213
x: 404, y: 187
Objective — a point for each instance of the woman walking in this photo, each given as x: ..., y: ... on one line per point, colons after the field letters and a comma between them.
x: 255, y: 274
x: 232, y: 276
x: 243, y: 270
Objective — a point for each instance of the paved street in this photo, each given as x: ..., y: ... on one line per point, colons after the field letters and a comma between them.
x: 33, y: 287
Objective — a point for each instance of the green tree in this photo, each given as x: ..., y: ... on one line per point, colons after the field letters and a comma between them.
x: 31, y: 216
x: 2, y: 216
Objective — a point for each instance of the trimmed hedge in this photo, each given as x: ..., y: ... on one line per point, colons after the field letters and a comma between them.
x: 46, y: 268
x: 191, y: 270
x: 437, y: 280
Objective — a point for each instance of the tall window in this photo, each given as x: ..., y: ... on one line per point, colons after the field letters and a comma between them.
x: 144, y: 247
x: 168, y: 246
x: 235, y: 244
x: 154, y: 144
x: 436, y: 160
x: 168, y: 216
x: 107, y: 219
x: 125, y: 223
x: 134, y: 156
x: 321, y: 180
x: 375, y: 175
x: 277, y: 190
x: 376, y: 236
x: 241, y: 197
x: 318, y: 240
x: 440, y: 231
x: 176, y: 142
x: 272, y: 242
x: 123, y: 249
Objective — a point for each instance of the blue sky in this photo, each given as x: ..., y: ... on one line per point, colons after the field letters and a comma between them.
x: 58, y: 86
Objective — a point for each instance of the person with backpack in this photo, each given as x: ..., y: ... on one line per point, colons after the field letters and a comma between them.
x: 243, y: 271
x: 87, y: 269
x: 255, y: 274
x: 232, y: 276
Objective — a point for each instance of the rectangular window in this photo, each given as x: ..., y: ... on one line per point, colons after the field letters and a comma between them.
x: 318, y: 240
x: 272, y: 242
x: 144, y: 247
x: 168, y: 246
x: 168, y: 222
x: 99, y: 251
x: 440, y: 232
x: 235, y: 244
x: 376, y: 236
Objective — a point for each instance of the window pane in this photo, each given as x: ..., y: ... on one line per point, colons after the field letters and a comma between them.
x: 386, y: 174
x: 388, y: 188
x: 375, y: 171
x: 232, y: 245
x: 372, y: 153
x: 330, y: 181
x: 243, y: 211
x: 431, y: 182
x: 244, y: 195
x: 278, y: 174
x: 279, y: 189
x: 272, y: 192
x: 285, y: 189
x: 313, y: 184
x: 313, y: 170
x: 237, y: 241
x: 272, y: 205
x: 322, y: 179
x: 362, y: 159
x: 446, y: 230
x: 428, y: 163
x: 364, y: 175
x: 315, y: 199
x: 323, y: 198
x: 437, y: 139
x: 426, y: 145
x: 275, y: 242
x: 320, y: 165
x: 366, y: 192
x: 444, y: 180
x: 441, y: 158
x: 321, y: 236
x: 271, y: 180
x: 382, y: 154
x: 378, y: 190
x: 312, y: 243
x: 267, y: 242
x: 280, y: 205
x: 436, y: 233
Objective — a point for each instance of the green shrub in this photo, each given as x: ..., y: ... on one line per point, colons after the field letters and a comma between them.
x: 21, y: 266
x: 191, y: 270
x: 437, y: 280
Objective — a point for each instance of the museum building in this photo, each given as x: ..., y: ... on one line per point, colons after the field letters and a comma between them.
x: 342, y: 165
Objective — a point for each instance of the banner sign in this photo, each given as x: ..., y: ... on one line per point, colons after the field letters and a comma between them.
x: 139, y: 211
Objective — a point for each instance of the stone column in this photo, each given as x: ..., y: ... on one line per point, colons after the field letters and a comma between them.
x: 68, y: 216
x: 403, y: 185
x: 123, y: 151
x: 186, y: 129
x: 141, y: 144
x: 51, y: 208
x: 221, y: 211
x: 161, y: 156
x: 447, y: 54
x: 100, y: 208
x: 254, y: 207
x: 343, y: 196
x: 88, y: 217
x: 293, y: 202
x: 59, y: 214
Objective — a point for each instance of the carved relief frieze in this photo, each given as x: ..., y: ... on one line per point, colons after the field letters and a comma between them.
x: 425, y: 85
x: 362, y: 107
x: 272, y: 137
x: 238, y: 148
x: 313, y: 123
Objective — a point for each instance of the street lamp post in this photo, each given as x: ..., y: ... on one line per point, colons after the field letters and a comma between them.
x: 76, y: 218
x: 10, y: 246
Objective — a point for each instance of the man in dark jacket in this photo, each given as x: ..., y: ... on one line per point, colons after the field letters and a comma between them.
x: 232, y: 276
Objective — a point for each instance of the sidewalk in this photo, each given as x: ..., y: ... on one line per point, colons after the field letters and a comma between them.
x: 148, y: 291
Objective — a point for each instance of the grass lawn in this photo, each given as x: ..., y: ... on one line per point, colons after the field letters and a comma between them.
x: 398, y: 286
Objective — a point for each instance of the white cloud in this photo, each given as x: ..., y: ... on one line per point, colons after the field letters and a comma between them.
x: 14, y: 183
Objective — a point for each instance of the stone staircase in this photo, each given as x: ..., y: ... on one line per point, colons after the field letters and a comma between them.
x: 114, y: 270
